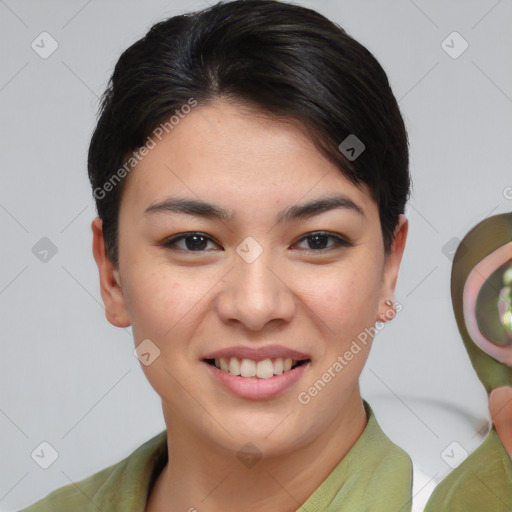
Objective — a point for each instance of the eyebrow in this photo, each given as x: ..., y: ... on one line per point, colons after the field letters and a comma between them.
x: 206, y: 210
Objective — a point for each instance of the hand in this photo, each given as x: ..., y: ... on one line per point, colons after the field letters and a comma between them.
x: 500, y: 407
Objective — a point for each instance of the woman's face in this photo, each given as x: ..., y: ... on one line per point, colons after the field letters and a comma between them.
x: 253, y: 280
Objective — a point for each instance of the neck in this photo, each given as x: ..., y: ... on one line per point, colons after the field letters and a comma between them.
x: 202, y: 477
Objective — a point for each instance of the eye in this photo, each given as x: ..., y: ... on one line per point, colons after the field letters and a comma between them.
x: 193, y: 242
x: 197, y: 242
x: 319, y: 239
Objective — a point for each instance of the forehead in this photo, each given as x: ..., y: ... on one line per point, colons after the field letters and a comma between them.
x: 226, y: 152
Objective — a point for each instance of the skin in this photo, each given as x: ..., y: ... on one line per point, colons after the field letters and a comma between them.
x: 191, y: 303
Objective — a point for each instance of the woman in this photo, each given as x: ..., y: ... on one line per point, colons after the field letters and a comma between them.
x: 250, y: 170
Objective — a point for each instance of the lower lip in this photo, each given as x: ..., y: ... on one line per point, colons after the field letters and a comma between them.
x: 258, y: 389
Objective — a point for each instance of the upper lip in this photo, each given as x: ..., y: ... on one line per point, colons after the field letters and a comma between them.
x: 258, y: 354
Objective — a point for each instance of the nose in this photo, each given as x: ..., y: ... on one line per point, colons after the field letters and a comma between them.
x: 255, y: 294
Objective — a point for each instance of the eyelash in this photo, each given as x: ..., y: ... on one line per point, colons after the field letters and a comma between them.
x: 170, y: 243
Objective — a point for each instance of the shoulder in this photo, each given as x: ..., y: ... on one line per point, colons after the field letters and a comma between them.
x: 482, y: 482
x: 388, y: 454
x: 78, y: 494
x: 379, y: 464
x: 127, y: 479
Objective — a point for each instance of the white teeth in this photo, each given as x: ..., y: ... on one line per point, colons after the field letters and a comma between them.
x: 278, y: 366
x: 265, y: 369
x: 234, y: 366
x: 248, y: 368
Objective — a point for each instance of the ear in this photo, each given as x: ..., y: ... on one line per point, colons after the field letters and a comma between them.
x: 391, y: 266
x: 110, y: 283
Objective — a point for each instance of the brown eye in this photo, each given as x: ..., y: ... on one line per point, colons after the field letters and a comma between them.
x: 192, y: 242
x: 317, y: 241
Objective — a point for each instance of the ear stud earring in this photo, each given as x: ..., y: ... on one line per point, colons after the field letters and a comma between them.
x: 385, y: 317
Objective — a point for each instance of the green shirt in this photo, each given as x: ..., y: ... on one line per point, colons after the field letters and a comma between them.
x: 482, y: 483
x: 374, y: 476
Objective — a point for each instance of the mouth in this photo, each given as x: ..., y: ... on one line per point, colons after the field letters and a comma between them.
x: 248, y: 368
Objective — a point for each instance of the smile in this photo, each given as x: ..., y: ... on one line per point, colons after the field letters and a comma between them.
x: 252, y: 386
x: 248, y: 368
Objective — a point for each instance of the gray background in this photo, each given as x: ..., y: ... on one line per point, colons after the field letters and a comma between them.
x: 70, y: 378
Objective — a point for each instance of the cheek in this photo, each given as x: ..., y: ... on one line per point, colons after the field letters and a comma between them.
x: 166, y: 303
x: 346, y: 301
x: 155, y: 301
x: 160, y: 310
